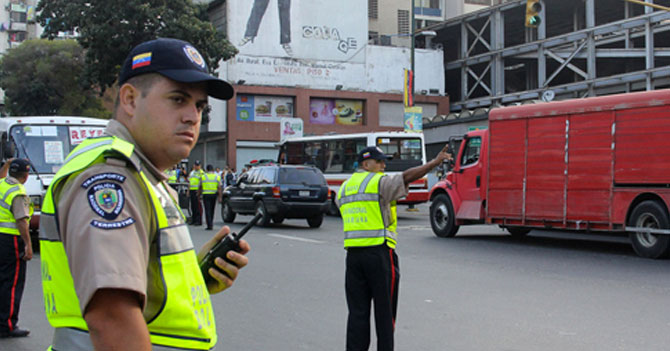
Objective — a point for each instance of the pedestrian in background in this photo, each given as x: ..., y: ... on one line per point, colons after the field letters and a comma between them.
x: 230, y: 177
x: 210, y: 189
x: 194, y: 193
x: 367, y: 202
x: 119, y: 270
x: 15, y: 245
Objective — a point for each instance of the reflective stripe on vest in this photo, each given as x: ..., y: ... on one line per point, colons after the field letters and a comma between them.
x: 194, y: 179
x: 210, y: 182
x: 362, y: 219
x: 8, y: 192
x: 185, y: 319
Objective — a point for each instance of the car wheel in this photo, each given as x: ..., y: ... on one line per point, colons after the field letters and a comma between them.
x: 315, y: 221
x: 442, y: 217
x: 227, y: 212
x: 277, y: 219
x: 265, y: 219
x: 650, y: 214
x: 332, y: 209
x: 518, y: 232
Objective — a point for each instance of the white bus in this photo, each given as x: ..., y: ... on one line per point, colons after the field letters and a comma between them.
x: 45, y: 142
x: 337, y: 157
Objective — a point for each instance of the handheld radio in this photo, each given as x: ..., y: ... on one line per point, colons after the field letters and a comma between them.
x: 229, y: 242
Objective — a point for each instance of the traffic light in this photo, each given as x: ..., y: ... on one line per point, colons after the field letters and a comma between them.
x: 533, y: 9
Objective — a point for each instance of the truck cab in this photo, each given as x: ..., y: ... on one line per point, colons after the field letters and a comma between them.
x: 460, y: 197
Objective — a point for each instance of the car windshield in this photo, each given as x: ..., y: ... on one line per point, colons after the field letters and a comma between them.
x: 47, y: 146
x: 306, y: 176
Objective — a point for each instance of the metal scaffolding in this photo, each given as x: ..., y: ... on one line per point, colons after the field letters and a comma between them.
x: 581, y: 48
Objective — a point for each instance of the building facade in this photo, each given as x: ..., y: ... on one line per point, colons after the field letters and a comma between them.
x: 17, y: 24
x: 309, y: 61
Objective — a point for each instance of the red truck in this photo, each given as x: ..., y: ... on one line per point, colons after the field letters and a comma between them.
x: 598, y: 164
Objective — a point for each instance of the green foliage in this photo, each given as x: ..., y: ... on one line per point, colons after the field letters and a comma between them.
x: 41, y: 78
x: 108, y: 30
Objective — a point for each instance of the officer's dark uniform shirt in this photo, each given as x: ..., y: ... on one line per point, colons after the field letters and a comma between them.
x: 121, y: 257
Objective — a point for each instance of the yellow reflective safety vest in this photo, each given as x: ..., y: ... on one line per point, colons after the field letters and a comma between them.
x: 172, y: 176
x: 362, y: 214
x: 185, y: 320
x: 210, y: 183
x: 194, y: 179
x: 7, y: 194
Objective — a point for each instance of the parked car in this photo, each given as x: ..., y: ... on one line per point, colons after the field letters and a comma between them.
x: 278, y: 192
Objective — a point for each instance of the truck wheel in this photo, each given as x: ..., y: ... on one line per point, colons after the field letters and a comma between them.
x: 442, y: 217
x: 227, y: 212
x: 265, y: 219
x: 278, y: 219
x: 315, y: 221
x: 518, y: 232
x: 650, y: 214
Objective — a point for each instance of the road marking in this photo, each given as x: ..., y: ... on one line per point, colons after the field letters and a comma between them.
x: 414, y: 227
x: 296, y: 238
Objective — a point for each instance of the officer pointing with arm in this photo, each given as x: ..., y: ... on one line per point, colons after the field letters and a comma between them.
x: 119, y: 271
x: 367, y: 203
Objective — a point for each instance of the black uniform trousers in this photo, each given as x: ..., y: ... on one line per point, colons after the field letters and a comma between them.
x: 12, y: 280
x: 196, y: 214
x: 210, y: 204
x: 372, y: 274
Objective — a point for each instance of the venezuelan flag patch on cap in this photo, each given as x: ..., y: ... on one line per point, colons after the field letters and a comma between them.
x: 366, y: 154
x: 141, y: 60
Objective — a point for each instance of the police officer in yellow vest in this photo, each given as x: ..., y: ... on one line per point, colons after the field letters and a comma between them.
x: 367, y: 202
x: 119, y: 271
x: 194, y: 179
x: 172, y: 177
x: 15, y: 246
x: 210, y: 188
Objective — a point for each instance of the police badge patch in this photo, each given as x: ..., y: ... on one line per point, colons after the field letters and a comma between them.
x: 106, y: 199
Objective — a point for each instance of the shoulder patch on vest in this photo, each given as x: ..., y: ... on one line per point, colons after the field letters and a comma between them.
x: 106, y: 199
x: 103, y: 176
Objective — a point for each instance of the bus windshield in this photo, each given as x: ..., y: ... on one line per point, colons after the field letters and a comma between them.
x: 47, y: 146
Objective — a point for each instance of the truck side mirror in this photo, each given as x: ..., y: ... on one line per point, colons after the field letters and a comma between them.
x: 8, y: 149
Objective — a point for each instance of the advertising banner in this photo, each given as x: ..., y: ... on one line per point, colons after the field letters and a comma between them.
x: 333, y: 111
x: 302, y: 29
x: 290, y: 128
x: 263, y: 108
x: 413, y: 121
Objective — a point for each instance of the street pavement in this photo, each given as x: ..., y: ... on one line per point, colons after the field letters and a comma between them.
x: 481, y: 290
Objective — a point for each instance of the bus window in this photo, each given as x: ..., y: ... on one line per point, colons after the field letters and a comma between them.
x: 334, y: 156
x: 404, y: 153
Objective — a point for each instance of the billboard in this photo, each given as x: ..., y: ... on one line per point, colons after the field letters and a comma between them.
x: 336, y: 111
x: 263, y: 108
x: 322, y: 30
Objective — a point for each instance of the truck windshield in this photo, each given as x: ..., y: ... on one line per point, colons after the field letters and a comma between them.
x: 47, y: 146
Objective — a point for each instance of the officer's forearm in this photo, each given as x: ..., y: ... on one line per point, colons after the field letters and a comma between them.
x: 417, y: 172
x: 23, y: 225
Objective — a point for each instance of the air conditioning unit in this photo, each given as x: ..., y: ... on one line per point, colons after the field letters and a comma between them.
x: 385, y: 40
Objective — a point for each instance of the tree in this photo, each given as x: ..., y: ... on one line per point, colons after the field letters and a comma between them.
x: 108, y: 30
x: 42, y: 78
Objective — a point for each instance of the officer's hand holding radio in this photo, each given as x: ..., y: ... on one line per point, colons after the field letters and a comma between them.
x: 226, y: 272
